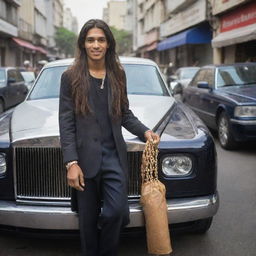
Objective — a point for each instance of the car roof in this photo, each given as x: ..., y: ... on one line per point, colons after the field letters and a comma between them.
x: 7, y: 68
x: 124, y: 60
x: 238, y: 64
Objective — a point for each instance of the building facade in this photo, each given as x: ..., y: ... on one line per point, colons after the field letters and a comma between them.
x: 8, y: 30
x: 115, y: 14
x: 235, y: 36
x: 186, y: 34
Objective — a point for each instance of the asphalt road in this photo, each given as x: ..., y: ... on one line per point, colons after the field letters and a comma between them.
x: 233, y: 231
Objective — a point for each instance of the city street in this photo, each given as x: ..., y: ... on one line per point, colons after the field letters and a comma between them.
x: 232, y: 231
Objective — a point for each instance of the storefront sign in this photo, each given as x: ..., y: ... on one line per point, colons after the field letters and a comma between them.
x: 239, y: 18
x: 223, y: 5
x: 194, y: 14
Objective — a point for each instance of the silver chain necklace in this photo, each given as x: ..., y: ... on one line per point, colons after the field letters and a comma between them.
x: 102, y: 82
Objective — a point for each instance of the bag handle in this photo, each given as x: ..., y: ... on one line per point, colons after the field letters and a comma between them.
x: 149, y: 162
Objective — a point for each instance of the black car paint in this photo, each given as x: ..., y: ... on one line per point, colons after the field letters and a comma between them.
x: 12, y: 92
x: 209, y: 103
x: 195, y: 141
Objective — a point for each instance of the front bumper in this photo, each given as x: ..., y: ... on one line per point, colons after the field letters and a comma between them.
x: 62, y: 218
x: 244, y: 130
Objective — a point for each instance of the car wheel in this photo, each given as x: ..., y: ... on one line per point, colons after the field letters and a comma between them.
x: 202, y: 226
x: 226, y: 138
x: 1, y: 106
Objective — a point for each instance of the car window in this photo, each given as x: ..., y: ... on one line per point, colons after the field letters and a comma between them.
x: 48, y: 84
x: 188, y: 73
x: 141, y: 79
x: 28, y: 76
x: 2, y: 78
x: 11, y: 74
x: 199, y: 77
x: 236, y: 75
x: 19, y: 77
x: 145, y: 80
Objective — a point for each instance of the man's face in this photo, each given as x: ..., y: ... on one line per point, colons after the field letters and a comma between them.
x: 96, y: 44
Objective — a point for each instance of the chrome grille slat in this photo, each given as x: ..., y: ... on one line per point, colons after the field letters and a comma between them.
x: 40, y: 174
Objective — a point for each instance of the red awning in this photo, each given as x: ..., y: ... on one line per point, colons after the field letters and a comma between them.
x: 42, y: 50
x: 151, y: 47
x: 28, y: 45
x: 23, y: 43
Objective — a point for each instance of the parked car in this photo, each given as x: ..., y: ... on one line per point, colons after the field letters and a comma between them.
x: 33, y: 187
x: 181, y: 78
x: 12, y: 88
x: 29, y: 78
x: 224, y: 97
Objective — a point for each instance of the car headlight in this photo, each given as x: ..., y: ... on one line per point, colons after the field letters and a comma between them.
x: 245, y: 111
x: 2, y: 164
x: 176, y: 165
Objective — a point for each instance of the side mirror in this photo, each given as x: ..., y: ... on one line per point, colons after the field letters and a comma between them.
x: 177, y: 89
x: 11, y: 80
x: 203, y: 85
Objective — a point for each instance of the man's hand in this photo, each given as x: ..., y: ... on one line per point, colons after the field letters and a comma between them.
x: 75, y: 177
x: 151, y: 136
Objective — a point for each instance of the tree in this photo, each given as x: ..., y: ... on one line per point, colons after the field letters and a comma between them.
x: 66, y: 41
x: 123, y: 41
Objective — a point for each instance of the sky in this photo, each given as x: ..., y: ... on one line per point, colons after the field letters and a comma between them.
x: 86, y: 9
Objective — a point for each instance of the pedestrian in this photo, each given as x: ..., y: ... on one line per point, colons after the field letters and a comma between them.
x: 93, y: 107
x: 27, y: 66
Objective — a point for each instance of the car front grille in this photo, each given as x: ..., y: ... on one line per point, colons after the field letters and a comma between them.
x: 41, y: 175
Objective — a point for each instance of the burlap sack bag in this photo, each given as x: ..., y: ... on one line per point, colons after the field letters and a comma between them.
x: 154, y: 204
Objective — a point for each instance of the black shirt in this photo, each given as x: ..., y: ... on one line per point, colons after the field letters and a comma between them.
x: 100, y: 102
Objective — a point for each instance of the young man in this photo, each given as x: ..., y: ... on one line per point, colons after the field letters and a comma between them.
x: 93, y: 107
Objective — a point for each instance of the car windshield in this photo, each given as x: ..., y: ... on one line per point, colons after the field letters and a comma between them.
x: 2, y: 77
x: 188, y: 73
x: 236, y: 75
x: 141, y: 79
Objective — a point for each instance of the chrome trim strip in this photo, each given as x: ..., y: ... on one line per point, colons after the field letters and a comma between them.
x: 202, y: 111
x: 54, y: 142
x: 62, y: 218
x: 249, y: 122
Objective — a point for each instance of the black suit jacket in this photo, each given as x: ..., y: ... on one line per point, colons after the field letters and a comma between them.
x: 79, y: 134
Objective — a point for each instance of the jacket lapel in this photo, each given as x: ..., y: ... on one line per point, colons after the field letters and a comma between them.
x: 109, y: 98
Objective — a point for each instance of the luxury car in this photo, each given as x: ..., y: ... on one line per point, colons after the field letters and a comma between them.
x: 33, y: 188
x: 182, y: 78
x: 12, y: 88
x: 224, y: 97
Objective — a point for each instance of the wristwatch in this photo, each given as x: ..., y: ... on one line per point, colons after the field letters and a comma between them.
x: 69, y: 164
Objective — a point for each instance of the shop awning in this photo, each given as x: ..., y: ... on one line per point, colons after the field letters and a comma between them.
x: 23, y: 43
x: 28, y: 45
x: 239, y: 35
x: 196, y: 35
x: 42, y: 50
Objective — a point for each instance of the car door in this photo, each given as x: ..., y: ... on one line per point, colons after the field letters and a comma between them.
x: 15, y: 90
x: 207, y: 100
x: 191, y: 94
x: 22, y: 89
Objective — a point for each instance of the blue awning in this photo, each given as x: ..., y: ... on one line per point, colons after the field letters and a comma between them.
x: 196, y: 35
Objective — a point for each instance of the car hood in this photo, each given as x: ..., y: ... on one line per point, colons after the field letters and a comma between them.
x: 240, y: 94
x: 39, y: 118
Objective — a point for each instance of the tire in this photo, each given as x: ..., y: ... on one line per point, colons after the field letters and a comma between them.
x: 225, y: 135
x: 202, y: 226
x: 1, y: 106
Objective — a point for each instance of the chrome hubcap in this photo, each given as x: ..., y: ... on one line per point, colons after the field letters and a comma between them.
x: 223, y: 131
